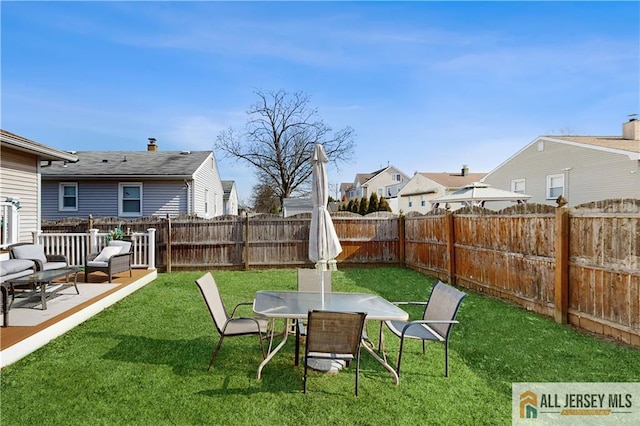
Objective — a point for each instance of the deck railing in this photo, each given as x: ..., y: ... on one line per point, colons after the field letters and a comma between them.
x: 77, y: 245
x: 9, y: 224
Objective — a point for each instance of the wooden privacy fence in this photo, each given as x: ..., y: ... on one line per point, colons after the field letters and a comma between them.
x: 579, y: 265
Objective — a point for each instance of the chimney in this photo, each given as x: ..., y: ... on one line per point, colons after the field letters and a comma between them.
x: 465, y: 170
x: 631, y: 130
x: 151, y: 146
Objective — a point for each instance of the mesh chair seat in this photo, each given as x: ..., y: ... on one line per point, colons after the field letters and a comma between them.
x: 414, y: 331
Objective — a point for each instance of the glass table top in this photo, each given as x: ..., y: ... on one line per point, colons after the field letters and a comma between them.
x: 297, y: 304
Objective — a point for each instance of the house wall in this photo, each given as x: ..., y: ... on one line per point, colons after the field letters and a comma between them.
x: 384, y: 180
x: 100, y: 198
x: 231, y: 204
x: 19, y: 178
x: 419, y: 186
x: 592, y: 174
x: 208, y: 177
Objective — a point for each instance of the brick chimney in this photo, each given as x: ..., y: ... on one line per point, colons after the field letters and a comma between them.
x: 151, y: 146
x: 631, y: 130
x: 465, y: 170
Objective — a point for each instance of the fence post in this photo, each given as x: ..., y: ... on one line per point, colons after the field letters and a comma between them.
x: 401, y: 239
x: 451, y: 250
x: 93, y: 240
x: 168, y: 249
x: 90, y: 222
x: 151, y: 247
x: 245, y: 248
x: 561, y: 276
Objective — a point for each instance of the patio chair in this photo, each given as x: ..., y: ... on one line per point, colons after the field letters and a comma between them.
x: 308, y: 280
x: 228, y: 326
x: 35, y: 252
x: 438, y: 319
x: 334, y: 336
x: 113, y: 259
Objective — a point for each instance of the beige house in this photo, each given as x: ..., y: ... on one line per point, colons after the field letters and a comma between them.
x: 581, y: 168
x: 417, y: 194
x: 385, y: 183
x: 21, y: 163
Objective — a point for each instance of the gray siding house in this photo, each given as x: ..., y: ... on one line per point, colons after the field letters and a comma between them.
x: 130, y: 184
x: 580, y: 168
x: 21, y: 161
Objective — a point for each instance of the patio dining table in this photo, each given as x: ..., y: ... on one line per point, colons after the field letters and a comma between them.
x: 294, y: 305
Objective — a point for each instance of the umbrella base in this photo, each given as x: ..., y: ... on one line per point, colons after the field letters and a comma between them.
x: 326, y: 365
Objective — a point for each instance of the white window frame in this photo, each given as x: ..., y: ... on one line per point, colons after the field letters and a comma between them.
x: 121, y: 187
x: 410, y: 202
x: 515, y: 183
x: 423, y: 201
x: 62, y: 196
x: 206, y: 201
x: 550, y: 180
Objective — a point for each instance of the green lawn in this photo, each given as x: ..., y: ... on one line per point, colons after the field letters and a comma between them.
x: 144, y: 362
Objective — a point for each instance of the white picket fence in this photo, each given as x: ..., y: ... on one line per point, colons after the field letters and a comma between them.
x: 75, y: 246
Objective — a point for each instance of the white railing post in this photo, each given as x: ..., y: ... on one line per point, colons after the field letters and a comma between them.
x: 151, y: 248
x: 36, y: 236
x: 93, y: 240
x: 10, y: 224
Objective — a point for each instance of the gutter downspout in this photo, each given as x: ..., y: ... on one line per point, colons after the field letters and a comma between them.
x: 189, y: 197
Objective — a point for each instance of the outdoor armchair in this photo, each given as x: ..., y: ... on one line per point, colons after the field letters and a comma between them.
x: 228, y: 325
x: 35, y: 252
x: 334, y: 336
x: 438, y: 319
x: 309, y: 281
x: 113, y: 259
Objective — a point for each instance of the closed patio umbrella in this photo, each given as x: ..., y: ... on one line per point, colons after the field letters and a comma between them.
x: 324, y: 245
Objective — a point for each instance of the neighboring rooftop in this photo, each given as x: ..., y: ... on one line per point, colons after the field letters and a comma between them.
x: 129, y: 163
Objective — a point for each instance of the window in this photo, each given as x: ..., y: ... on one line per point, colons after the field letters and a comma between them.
x: 206, y: 201
x: 410, y: 202
x: 380, y: 192
x: 517, y: 185
x: 130, y: 199
x: 555, y: 186
x: 396, y: 177
x: 68, y: 198
x: 423, y: 201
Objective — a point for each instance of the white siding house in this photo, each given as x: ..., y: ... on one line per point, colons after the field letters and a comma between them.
x: 20, y: 166
x: 386, y: 182
x: 230, y: 198
x: 580, y: 168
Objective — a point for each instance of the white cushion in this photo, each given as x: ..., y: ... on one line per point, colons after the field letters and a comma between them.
x: 11, y: 266
x: 53, y: 265
x: 106, y: 253
x: 29, y: 251
x: 98, y: 264
x: 124, y: 246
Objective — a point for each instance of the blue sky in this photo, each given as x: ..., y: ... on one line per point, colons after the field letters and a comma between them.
x: 427, y: 86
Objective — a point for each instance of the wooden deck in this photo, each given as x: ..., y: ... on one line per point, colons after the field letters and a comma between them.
x: 18, y: 341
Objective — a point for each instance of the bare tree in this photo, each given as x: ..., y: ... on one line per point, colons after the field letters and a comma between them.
x: 278, y: 141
